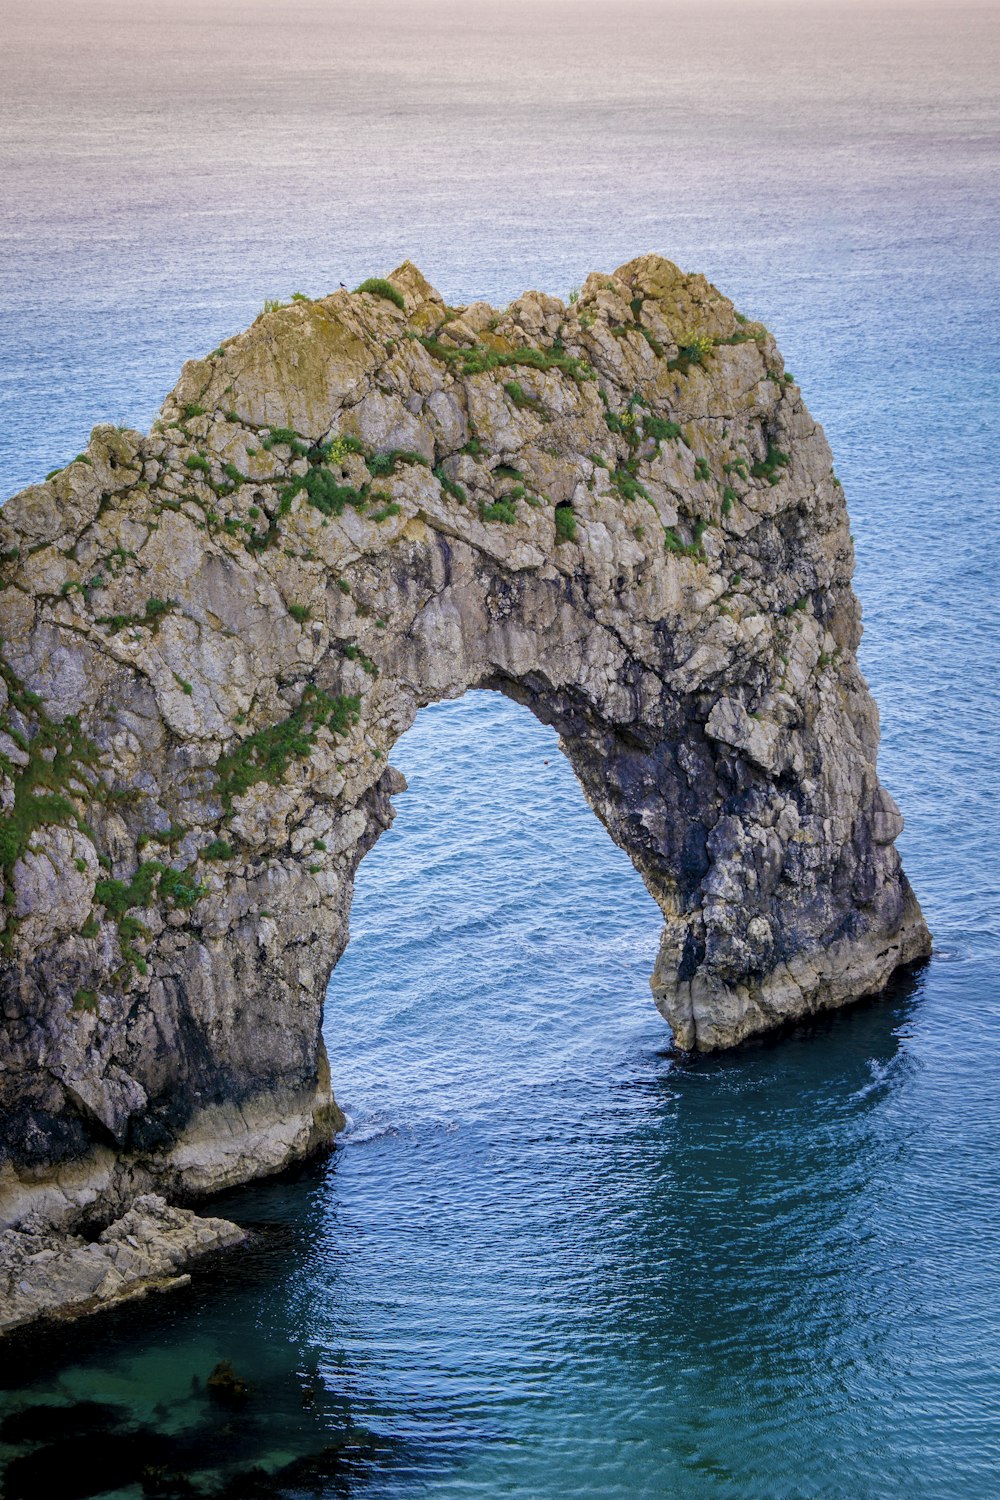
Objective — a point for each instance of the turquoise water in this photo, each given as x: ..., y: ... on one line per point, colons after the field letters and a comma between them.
x: 549, y: 1258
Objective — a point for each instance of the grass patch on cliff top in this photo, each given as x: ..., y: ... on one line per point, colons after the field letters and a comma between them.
x: 377, y: 286
x: 479, y: 359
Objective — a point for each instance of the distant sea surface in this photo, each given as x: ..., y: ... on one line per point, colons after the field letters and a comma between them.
x: 550, y: 1260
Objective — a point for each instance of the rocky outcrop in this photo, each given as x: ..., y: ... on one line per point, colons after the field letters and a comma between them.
x: 50, y: 1275
x: 618, y: 512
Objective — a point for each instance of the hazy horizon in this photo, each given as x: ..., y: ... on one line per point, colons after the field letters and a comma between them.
x: 165, y: 169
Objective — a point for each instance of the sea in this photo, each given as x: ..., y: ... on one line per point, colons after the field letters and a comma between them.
x: 550, y: 1258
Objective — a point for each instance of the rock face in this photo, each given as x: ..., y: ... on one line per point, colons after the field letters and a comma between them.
x: 618, y: 513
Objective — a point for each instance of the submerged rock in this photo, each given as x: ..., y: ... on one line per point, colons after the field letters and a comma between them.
x: 90, y: 1449
x: 226, y: 1387
x: 619, y: 513
x: 83, y: 1466
x: 51, y: 1421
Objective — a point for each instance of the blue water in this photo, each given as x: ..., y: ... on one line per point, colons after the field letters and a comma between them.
x: 549, y: 1258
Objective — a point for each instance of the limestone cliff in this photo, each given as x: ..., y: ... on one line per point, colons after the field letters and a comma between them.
x: 618, y: 512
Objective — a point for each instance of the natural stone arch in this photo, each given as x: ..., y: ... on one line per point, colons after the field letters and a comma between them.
x: 618, y: 512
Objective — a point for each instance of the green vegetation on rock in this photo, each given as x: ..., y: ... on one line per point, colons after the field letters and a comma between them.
x: 565, y: 522
x: 267, y: 754
x: 499, y: 510
x: 770, y: 466
x: 150, y: 618
x: 523, y: 400
x: 479, y: 359
x: 660, y: 430
x: 59, y: 761
x: 628, y: 486
x: 673, y: 542
x: 450, y: 486
x: 218, y: 849
x: 377, y: 286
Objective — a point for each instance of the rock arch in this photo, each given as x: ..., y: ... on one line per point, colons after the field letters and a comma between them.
x: 618, y: 512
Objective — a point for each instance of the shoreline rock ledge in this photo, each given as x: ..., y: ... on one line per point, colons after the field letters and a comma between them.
x: 48, y: 1274
x: 618, y: 512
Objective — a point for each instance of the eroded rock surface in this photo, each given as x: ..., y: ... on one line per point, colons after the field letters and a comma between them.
x: 619, y: 513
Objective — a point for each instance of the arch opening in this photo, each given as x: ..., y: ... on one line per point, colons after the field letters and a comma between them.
x: 497, y: 936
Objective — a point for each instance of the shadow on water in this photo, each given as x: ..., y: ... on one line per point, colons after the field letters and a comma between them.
x: 748, y: 1277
